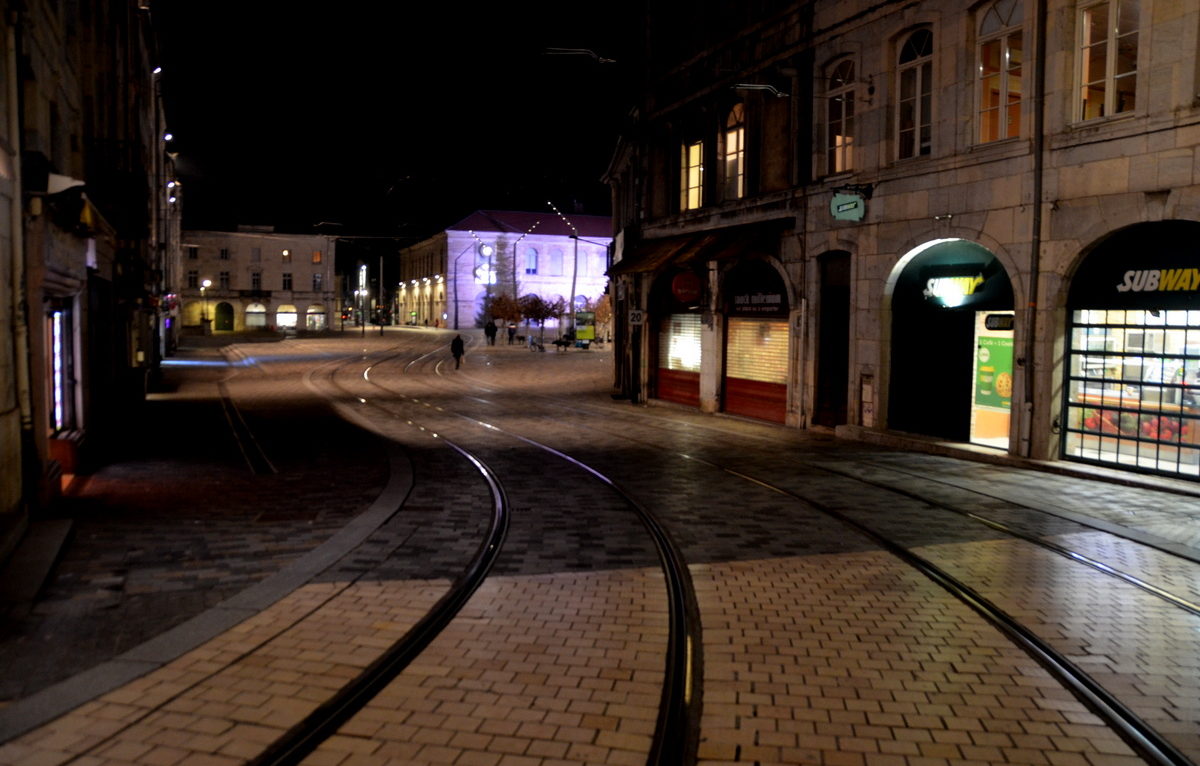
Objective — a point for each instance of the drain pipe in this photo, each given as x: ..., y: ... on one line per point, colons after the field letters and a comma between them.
x: 1035, y: 242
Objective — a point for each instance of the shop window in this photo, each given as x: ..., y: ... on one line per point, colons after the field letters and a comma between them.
x: 914, y: 112
x: 691, y: 183
x: 1108, y: 51
x: 735, y: 153
x: 1000, y: 71
x: 1133, y: 389
x: 256, y: 316
x: 839, y: 119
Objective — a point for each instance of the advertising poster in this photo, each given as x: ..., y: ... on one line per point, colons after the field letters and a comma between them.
x: 992, y: 381
x: 993, y: 375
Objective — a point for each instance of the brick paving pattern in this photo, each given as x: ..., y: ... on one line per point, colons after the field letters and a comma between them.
x: 818, y: 648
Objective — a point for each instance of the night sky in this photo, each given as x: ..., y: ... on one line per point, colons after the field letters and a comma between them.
x: 391, y: 118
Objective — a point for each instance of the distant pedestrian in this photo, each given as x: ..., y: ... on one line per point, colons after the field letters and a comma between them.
x: 457, y: 350
x: 489, y: 330
x: 512, y: 332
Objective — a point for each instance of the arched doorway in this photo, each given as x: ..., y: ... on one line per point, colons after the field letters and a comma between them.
x: 756, y: 341
x: 1132, y: 388
x: 675, y: 305
x: 285, y: 317
x: 223, y: 317
x: 256, y: 317
x: 951, y: 352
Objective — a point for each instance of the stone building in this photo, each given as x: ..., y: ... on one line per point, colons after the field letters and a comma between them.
x: 964, y: 224
x: 88, y: 236
x: 257, y: 280
x: 446, y: 279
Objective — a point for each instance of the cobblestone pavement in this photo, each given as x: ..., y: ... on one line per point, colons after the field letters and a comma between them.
x: 818, y: 647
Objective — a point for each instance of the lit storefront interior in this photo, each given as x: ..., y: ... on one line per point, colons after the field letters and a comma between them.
x: 1132, y: 393
x: 676, y: 300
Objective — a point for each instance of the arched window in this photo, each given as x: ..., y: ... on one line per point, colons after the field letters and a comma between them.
x: 839, y: 123
x: 735, y: 153
x: 914, y: 113
x: 1001, y: 54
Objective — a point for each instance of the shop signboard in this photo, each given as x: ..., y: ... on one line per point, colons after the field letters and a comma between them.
x: 758, y: 304
x: 1151, y: 266
x: 848, y: 207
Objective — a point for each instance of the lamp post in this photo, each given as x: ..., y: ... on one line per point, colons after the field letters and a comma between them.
x: 205, y: 327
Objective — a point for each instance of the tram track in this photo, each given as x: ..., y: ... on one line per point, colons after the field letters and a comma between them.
x: 677, y: 727
x: 1142, y: 737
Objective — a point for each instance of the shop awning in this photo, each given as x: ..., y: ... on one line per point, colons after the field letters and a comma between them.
x: 653, y: 254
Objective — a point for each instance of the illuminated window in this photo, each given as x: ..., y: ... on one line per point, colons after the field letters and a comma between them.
x: 692, y: 176
x: 735, y: 153
x: 839, y: 125
x: 1000, y: 60
x: 1108, y: 51
x: 914, y: 113
x: 316, y: 257
x: 287, y: 280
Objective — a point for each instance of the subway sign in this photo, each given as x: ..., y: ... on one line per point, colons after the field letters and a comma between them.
x: 1147, y: 266
x: 1159, y: 280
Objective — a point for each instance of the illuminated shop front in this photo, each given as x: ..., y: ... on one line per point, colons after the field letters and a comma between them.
x: 676, y: 303
x: 756, y: 342
x: 1132, y: 393
x: 952, y: 341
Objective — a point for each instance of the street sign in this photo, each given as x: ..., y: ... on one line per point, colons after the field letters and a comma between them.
x: 637, y: 316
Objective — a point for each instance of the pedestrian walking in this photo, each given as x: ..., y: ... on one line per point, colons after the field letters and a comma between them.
x: 512, y: 332
x: 457, y: 350
x: 489, y: 330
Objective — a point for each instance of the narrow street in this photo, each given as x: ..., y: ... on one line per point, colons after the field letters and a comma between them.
x: 286, y: 513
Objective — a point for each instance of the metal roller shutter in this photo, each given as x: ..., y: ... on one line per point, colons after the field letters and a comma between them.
x: 756, y: 368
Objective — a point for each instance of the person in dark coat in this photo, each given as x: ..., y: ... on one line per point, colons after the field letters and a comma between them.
x: 457, y: 350
x: 489, y: 330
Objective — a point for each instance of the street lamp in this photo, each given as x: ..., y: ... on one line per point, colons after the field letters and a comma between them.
x: 204, y: 306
